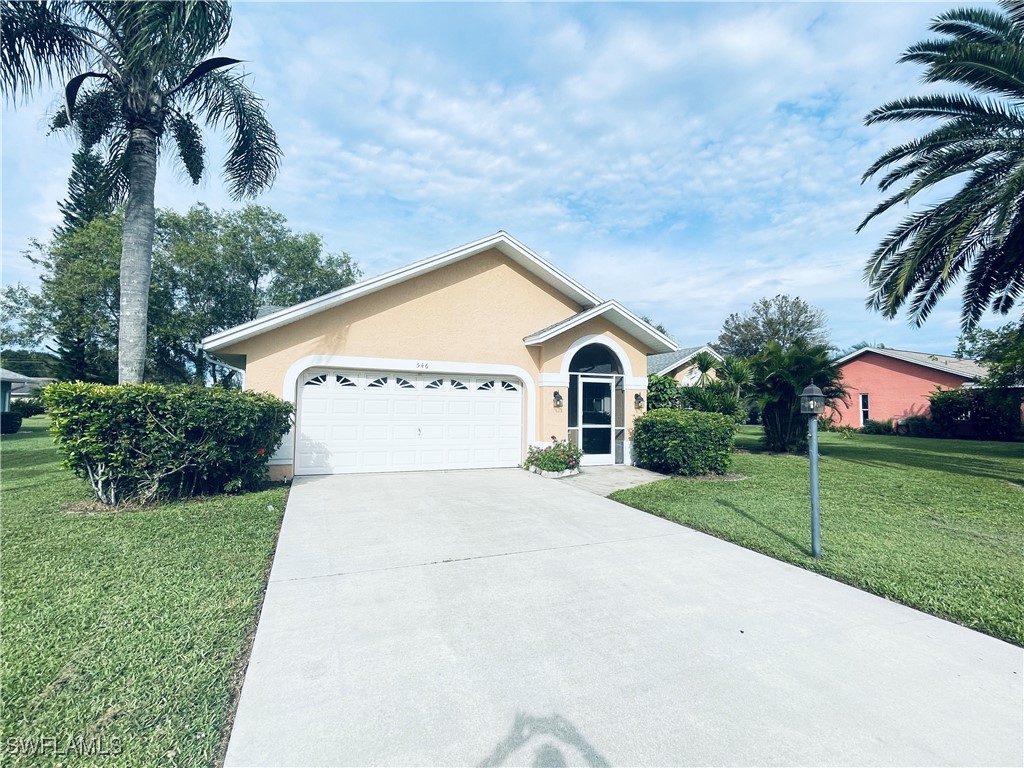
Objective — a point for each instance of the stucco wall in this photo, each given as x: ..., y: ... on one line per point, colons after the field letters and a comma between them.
x: 895, y: 388
x: 556, y: 357
x: 474, y: 311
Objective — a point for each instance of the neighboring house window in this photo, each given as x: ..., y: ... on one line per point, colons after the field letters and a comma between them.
x: 864, y: 409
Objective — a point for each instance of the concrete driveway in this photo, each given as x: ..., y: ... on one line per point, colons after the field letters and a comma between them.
x: 497, y: 618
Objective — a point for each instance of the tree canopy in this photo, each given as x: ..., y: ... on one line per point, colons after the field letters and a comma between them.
x: 977, y: 234
x: 782, y: 319
x: 211, y: 271
x: 1000, y: 350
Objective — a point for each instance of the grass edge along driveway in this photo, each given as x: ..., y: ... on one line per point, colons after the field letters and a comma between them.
x: 935, y: 524
x: 122, y: 630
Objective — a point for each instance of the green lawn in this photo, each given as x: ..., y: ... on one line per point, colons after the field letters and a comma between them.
x: 935, y: 524
x: 121, y: 631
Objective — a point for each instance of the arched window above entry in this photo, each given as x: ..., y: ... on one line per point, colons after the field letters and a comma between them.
x: 595, y: 358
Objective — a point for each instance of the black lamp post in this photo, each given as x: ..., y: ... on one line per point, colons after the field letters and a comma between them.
x: 812, y: 402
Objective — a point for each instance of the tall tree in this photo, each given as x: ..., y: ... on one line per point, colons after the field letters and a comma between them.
x: 89, y: 193
x: 782, y: 319
x: 75, y: 310
x: 977, y: 234
x: 134, y: 72
x: 217, y: 269
x: 211, y: 271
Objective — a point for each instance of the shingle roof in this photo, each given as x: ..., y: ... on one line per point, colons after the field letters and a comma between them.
x: 970, y: 369
x: 614, y: 313
x: 658, y: 363
x: 16, y: 378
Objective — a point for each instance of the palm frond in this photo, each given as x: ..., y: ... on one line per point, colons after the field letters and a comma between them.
x: 946, y: 106
x: 225, y: 101
x: 163, y: 38
x: 39, y: 45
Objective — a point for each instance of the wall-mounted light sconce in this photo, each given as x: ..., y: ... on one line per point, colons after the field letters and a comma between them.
x: 638, y: 400
x: 558, y: 399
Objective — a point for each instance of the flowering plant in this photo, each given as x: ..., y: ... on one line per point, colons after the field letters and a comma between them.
x: 560, y: 456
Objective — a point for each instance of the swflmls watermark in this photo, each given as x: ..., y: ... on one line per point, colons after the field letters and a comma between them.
x: 63, y: 746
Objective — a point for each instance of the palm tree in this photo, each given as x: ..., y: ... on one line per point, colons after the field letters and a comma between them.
x: 704, y: 361
x: 136, y: 72
x: 978, y: 233
x: 736, y: 372
x: 780, y: 375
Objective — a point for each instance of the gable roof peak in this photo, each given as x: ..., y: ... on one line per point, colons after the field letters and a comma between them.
x: 501, y: 241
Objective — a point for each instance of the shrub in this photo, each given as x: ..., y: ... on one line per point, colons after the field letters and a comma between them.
x: 28, y: 408
x: 918, y: 426
x: 10, y: 422
x: 662, y: 392
x: 557, y: 457
x: 828, y: 424
x: 684, y: 442
x: 983, y: 413
x: 137, y: 443
x: 716, y: 397
x: 873, y: 427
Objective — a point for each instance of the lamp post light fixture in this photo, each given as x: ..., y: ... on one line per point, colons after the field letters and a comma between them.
x: 812, y: 403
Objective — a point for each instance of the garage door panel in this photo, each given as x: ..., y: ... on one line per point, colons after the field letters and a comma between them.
x: 459, y: 408
x: 405, y: 407
x: 459, y: 431
x: 379, y: 421
x: 344, y: 433
x: 432, y: 432
x: 343, y: 407
x: 405, y: 432
x: 375, y: 432
x: 379, y: 407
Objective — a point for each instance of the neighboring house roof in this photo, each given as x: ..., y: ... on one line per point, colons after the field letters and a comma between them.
x: 500, y: 241
x: 669, y: 361
x: 17, y: 378
x: 969, y: 369
x: 615, y: 313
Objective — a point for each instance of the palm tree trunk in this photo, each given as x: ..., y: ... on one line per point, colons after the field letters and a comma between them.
x: 137, y: 257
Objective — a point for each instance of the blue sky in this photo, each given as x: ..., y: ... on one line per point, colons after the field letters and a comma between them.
x: 686, y: 159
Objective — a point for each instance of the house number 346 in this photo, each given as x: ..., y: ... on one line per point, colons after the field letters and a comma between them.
x: 423, y: 366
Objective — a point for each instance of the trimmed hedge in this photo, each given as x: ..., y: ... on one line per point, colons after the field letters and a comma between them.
x: 138, y: 443
x: 28, y: 408
x: 684, y: 442
x: 10, y: 422
x: 874, y: 427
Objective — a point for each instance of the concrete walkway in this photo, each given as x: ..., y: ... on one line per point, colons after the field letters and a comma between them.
x: 607, y: 479
x: 499, y: 618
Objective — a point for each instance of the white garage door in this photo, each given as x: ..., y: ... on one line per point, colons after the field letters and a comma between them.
x: 379, y: 421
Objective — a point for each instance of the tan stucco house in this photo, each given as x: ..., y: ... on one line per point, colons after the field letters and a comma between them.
x: 461, y: 360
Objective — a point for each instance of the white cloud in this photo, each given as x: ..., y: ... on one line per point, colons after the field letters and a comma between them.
x: 684, y: 158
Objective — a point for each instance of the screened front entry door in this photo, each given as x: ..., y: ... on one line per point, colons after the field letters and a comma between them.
x: 596, y: 406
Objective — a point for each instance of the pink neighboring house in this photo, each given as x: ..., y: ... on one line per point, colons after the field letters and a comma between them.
x: 893, y: 384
